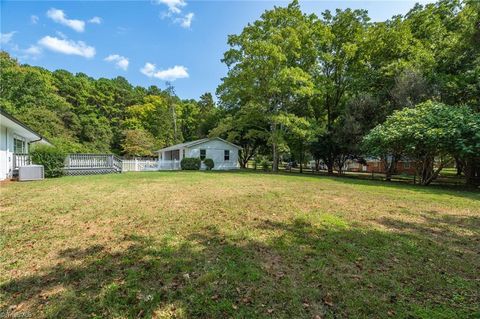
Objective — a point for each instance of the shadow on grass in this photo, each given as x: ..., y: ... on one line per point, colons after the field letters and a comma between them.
x: 453, y: 190
x: 458, y: 233
x: 328, y: 270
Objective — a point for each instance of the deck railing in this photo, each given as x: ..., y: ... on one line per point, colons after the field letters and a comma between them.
x: 21, y: 160
x: 92, y: 162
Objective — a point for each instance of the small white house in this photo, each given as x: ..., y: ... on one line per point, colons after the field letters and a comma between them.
x: 15, y: 140
x: 224, y: 154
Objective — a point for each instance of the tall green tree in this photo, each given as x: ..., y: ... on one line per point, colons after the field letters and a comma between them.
x: 248, y: 128
x: 138, y: 142
x: 339, y: 62
x: 431, y: 134
x: 269, y: 65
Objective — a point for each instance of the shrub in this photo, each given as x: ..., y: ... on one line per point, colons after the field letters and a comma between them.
x: 265, y: 165
x: 50, y: 157
x: 209, y: 163
x: 190, y: 164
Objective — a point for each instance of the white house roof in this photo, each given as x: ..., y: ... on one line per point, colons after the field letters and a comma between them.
x: 193, y: 143
x: 7, y: 120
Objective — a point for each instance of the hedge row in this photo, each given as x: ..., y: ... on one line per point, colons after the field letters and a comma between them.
x: 194, y: 164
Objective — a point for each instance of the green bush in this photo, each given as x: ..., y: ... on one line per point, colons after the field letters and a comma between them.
x: 265, y: 165
x: 190, y: 164
x: 209, y: 163
x: 50, y: 157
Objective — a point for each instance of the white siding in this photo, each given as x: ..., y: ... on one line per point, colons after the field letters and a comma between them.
x: 5, y: 153
x: 7, y: 135
x: 215, y: 150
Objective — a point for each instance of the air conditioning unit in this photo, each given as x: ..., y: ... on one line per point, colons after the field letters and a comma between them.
x: 30, y: 173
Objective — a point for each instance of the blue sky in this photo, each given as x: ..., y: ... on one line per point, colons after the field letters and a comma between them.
x: 147, y: 42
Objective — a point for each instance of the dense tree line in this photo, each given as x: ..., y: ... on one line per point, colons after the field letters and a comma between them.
x: 305, y: 85
x: 81, y: 114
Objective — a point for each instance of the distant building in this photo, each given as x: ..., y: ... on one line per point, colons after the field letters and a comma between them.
x: 378, y: 166
x: 223, y: 153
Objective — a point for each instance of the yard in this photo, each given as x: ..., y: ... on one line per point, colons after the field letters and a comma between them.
x: 244, y: 244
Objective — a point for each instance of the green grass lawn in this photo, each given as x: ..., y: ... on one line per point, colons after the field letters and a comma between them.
x: 218, y: 245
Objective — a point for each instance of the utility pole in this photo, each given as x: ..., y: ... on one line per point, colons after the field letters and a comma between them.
x: 171, y: 92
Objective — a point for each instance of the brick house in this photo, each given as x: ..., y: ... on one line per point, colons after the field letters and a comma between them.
x: 377, y: 166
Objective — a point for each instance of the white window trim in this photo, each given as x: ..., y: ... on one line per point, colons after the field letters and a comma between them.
x: 24, y: 140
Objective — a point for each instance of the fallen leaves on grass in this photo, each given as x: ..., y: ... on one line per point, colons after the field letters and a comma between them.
x: 328, y: 300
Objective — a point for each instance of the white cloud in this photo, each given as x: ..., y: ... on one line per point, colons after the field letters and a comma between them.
x: 34, y: 19
x: 148, y: 69
x: 174, y: 6
x: 33, y: 50
x: 60, y: 17
x: 61, y: 34
x: 66, y: 46
x: 120, y: 61
x: 186, y: 21
x: 171, y: 74
x: 6, y: 37
x: 95, y: 20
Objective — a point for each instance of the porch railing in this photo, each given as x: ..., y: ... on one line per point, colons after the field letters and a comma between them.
x: 21, y: 160
x: 93, y: 162
x: 169, y: 164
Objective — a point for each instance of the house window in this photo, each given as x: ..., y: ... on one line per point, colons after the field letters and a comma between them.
x: 19, y: 146
x: 406, y: 165
x: 226, y: 155
x: 183, y: 153
x: 203, y: 154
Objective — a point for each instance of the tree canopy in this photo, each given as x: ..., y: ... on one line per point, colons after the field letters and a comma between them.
x: 428, y: 132
x: 343, y: 74
x: 81, y: 114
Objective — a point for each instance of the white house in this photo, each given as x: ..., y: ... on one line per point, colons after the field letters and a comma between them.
x: 15, y: 140
x: 224, y: 154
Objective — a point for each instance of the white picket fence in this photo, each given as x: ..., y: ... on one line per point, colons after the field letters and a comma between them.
x: 138, y: 165
x: 167, y: 165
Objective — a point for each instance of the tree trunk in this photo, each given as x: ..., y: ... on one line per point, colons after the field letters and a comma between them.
x: 471, y: 169
x: 330, y: 168
x: 388, y: 175
x: 301, y: 157
x: 330, y: 163
x: 390, y: 166
x: 242, y: 164
x: 275, y: 158
x: 274, y: 148
x: 425, y: 171
x: 246, y: 156
x: 458, y: 166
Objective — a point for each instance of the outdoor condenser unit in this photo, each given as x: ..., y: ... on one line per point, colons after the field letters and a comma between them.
x: 30, y: 173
